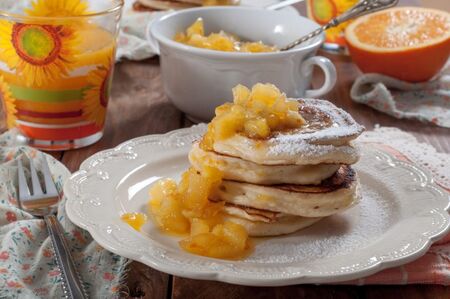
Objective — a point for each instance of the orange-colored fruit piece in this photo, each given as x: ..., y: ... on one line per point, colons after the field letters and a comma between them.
x: 174, y: 212
x: 206, y: 244
x: 255, y: 113
x: 233, y: 234
x: 228, y: 241
x: 408, y: 43
x: 256, y: 47
x: 199, y: 226
x: 241, y: 95
x: 185, y: 208
x: 135, y: 220
x: 196, y: 28
x: 257, y: 128
x: 166, y: 207
x: 195, y: 188
x: 220, y: 41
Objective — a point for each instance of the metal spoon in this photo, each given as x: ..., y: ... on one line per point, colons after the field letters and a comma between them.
x: 361, y: 8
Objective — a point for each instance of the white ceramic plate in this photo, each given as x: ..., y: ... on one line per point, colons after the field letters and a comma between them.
x: 402, y: 212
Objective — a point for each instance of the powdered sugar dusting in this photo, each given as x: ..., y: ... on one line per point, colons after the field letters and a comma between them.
x: 338, y: 127
x: 304, y: 150
x: 335, y: 235
x: 340, y: 123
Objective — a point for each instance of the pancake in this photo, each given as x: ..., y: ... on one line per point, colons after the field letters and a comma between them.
x: 237, y: 169
x: 333, y: 195
x: 138, y: 7
x: 195, y: 2
x: 284, y: 225
x: 252, y: 214
x: 259, y: 223
x: 151, y: 5
x: 325, y: 138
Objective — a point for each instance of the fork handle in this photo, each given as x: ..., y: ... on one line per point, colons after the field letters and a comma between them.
x: 71, y: 282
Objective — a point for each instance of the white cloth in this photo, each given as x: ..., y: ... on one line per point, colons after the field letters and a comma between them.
x: 422, y: 154
x: 426, y: 101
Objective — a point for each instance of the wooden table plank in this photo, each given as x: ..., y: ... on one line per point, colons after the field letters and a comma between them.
x: 406, y: 292
x: 197, y: 289
x: 145, y: 282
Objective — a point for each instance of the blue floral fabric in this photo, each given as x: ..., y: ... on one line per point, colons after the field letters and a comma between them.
x: 27, y: 264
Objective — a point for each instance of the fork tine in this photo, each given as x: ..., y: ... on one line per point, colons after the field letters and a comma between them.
x: 35, y: 184
x: 50, y: 187
x: 24, y: 192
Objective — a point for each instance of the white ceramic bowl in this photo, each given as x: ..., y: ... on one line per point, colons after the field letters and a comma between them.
x: 198, y: 80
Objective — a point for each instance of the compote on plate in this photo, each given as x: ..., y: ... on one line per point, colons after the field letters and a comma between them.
x: 266, y: 166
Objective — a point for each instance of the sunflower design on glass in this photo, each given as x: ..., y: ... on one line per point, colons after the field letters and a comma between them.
x: 58, y: 8
x: 39, y: 53
x: 96, y: 98
x: 9, y: 107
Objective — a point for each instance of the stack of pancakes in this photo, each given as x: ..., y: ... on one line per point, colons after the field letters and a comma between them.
x: 156, y: 5
x: 293, y: 178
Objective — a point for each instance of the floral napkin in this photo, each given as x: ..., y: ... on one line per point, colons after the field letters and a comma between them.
x: 27, y: 263
x: 427, y: 101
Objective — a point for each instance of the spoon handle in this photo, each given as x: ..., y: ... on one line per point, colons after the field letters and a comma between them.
x: 361, y: 8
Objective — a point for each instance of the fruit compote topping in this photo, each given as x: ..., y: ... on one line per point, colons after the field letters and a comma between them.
x: 135, y: 220
x: 184, y: 209
x: 255, y: 113
x: 221, y: 41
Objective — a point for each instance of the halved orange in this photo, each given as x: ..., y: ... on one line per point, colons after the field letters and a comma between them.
x: 408, y: 43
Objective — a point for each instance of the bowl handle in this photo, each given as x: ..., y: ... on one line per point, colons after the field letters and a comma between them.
x: 330, y: 75
x: 152, y: 42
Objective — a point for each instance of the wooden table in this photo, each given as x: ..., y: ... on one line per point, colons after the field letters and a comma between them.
x: 139, y: 107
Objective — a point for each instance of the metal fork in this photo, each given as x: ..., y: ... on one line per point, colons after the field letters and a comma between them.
x: 43, y: 204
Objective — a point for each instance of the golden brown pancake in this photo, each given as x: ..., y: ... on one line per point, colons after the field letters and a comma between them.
x: 330, y: 197
x: 325, y: 138
x: 250, y: 213
x: 155, y: 5
x: 237, y: 169
x: 282, y: 226
x: 260, y: 223
x: 343, y: 178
